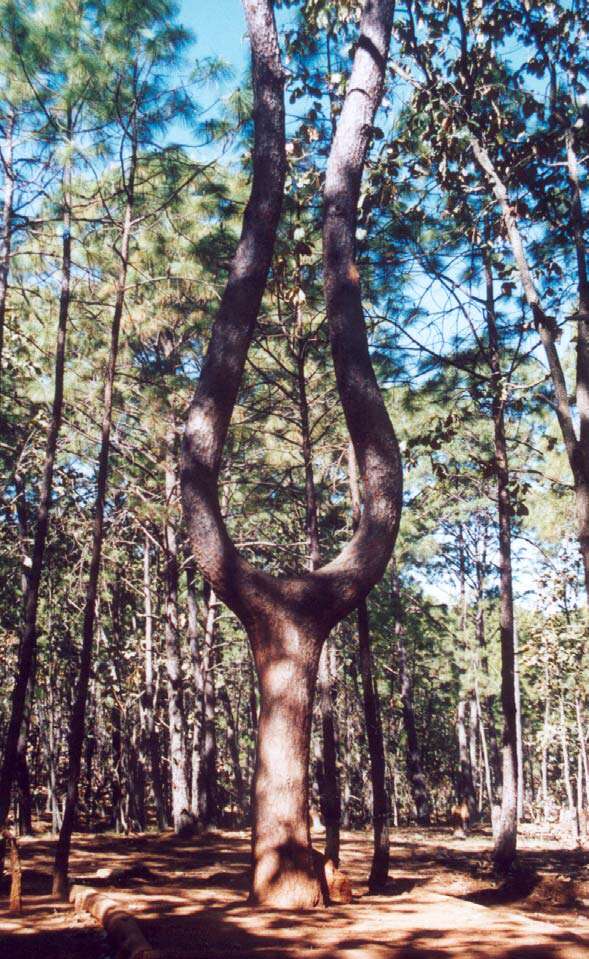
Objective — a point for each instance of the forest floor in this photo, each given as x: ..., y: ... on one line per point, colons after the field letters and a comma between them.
x: 189, y: 897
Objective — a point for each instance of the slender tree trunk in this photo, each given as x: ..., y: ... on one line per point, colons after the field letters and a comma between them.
x: 466, y: 788
x: 472, y: 741
x: 379, y: 869
x: 577, y: 448
x: 489, y: 699
x: 198, y: 681
x: 25, y: 800
x: 6, y: 234
x: 78, y: 719
x: 566, y: 770
x: 208, y: 758
x: 233, y: 747
x: 329, y: 785
x: 29, y: 635
x: 181, y: 815
x: 519, y: 729
x: 153, y: 746
x: 415, y: 774
x: 485, y: 751
x: 545, y: 741
x: 380, y: 817
x: 582, y: 746
x: 119, y: 822
x: 506, y: 840
x: 581, y: 463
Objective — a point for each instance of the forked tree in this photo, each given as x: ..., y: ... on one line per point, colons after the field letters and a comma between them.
x: 288, y: 618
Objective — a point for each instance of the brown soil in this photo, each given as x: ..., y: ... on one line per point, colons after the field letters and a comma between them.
x: 190, y: 896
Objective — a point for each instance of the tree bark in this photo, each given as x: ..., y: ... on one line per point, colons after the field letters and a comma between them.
x: 519, y: 728
x: 208, y: 757
x: 506, y: 840
x: 329, y: 785
x: 379, y: 869
x: 566, y: 770
x: 582, y: 747
x: 545, y: 741
x: 198, y: 681
x: 288, y: 619
x: 181, y: 815
x: 415, y: 774
x: 153, y: 747
x: 6, y: 234
x: 489, y: 699
x: 78, y: 719
x: 29, y: 635
x: 577, y: 448
x: 233, y: 747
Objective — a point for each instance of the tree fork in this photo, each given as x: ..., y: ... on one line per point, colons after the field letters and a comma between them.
x: 288, y: 618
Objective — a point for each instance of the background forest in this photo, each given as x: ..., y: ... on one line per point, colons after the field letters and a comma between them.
x: 125, y: 164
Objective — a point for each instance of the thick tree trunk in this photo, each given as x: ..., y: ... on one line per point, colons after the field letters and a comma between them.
x: 288, y: 619
x: 287, y: 659
x: 29, y: 636
x: 506, y: 840
x: 78, y: 719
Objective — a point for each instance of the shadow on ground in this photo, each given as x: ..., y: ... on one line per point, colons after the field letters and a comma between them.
x: 189, y: 897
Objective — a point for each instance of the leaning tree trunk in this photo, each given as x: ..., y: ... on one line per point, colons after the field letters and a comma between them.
x: 504, y: 852
x: 576, y: 446
x: 78, y: 719
x: 29, y: 636
x: 288, y: 619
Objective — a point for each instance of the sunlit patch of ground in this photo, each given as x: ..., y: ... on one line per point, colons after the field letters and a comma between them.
x: 190, y: 895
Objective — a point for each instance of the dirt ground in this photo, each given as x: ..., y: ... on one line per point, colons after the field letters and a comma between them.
x: 190, y: 897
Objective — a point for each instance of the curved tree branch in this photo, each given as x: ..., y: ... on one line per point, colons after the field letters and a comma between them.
x: 325, y: 595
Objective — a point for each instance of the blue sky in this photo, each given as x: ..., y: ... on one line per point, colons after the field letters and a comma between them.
x: 219, y: 27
